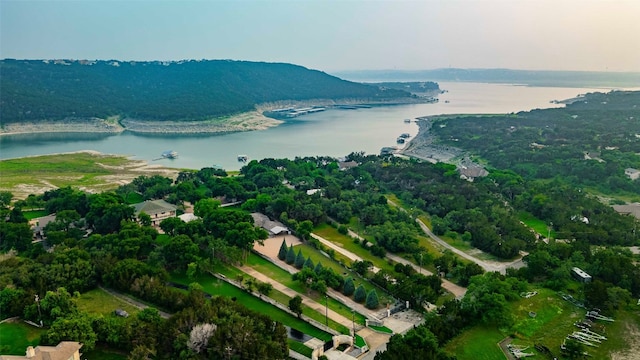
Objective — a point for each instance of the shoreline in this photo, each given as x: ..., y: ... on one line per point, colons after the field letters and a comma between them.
x: 247, y: 121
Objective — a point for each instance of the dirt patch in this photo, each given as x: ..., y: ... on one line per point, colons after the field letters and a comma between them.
x: 632, y: 338
x: 271, y: 246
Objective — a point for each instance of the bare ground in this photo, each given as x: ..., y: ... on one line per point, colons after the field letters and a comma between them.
x: 633, y: 339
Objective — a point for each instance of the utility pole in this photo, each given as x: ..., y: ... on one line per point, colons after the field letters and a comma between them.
x: 353, y: 323
x: 326, y: 310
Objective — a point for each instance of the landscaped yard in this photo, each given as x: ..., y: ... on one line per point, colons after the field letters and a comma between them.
x: 16, y: 336
x: 283, y: 277
x: 330, y: 233
x: 215, y: 286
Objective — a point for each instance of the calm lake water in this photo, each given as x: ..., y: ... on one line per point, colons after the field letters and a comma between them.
x: 333, y: 133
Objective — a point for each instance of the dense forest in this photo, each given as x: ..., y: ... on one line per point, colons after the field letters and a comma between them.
x: 34, y: 90
x: 589, y: 144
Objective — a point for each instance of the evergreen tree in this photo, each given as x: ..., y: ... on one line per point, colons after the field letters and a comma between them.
x: 360, y: 294
x: 309, y: 263
x: 291, y: 255
x: 372, y: 299
x: 282, y: 254
x: 299, y: 262
x: 318, y: 268
x: 349, y: 287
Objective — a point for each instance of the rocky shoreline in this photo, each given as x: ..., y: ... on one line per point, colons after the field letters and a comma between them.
x: 424, y: 145
x: 247, y: 121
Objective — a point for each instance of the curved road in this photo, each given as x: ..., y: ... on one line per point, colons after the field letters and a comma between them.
x: 487, y: 266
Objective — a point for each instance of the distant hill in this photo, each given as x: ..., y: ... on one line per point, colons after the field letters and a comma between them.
x: 525, y: 77
x: 34, y: 90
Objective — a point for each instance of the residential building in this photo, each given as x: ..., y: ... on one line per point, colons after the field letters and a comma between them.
x: 65, y: 350
x: 158, y: 210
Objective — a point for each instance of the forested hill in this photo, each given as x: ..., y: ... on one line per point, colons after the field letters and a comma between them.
x: 34, y: 90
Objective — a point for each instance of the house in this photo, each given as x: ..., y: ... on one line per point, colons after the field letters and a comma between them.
x: 65, y: 350
x: 470, y: 173
x: 273, y: 227
x: 38, y: 225
x: 314, y: 191
x: 346, y: 165
x: 157, y: 209
x: 580, y: 275
x: 633, y: 174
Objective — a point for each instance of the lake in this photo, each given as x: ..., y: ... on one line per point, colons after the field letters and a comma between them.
x: 332, y: 133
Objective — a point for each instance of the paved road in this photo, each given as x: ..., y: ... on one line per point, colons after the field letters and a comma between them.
x: 487, y: 266
x: 457, y: 290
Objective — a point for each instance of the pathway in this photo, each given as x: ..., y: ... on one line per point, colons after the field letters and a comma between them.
x: 486, y: 265
x: 341, y: 250
x: 456, y: 290
x: 342, y: 320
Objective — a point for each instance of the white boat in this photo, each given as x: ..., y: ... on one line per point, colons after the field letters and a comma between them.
x: 169, y: 154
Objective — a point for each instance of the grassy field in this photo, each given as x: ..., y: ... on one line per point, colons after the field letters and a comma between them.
x: 215, y: 286
x: 536, y: 224
x: 478, y: 343
x: 330, y: 233
x: 85, y: 170
x: 16, y: 336
x: 553, y: 321
x: 98, y: 301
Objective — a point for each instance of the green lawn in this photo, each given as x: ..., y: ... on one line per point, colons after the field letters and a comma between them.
x: 300, y: 348
x: 536, y: 224
x: 316, y: 256
x: 215, y: 286
x: 103, y: 353
x: 330, y: 233
x: 553, y: 322
x: 383, y: 329
x: 34, y: 214
x: 360, y: 341
x: 477, y: 343
x: 283, y: 277
x: 98, y: 301
x: 16, y: 336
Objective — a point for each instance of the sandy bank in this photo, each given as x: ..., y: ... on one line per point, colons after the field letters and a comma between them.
x: 248, y: 121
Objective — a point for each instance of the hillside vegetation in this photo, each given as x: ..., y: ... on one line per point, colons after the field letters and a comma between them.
x: 34, y: 90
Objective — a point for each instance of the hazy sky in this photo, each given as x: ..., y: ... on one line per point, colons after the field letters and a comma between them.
x: 600, y: 35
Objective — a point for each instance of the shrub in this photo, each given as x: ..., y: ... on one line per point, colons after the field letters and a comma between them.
x: 309, y: 263
x: 343, y: 230
x: 299, y: 262
x: 291, y: 255
x: 282, y: 254
x: 372, y: 299
x: 349, y: 287
x: 360, y: 294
